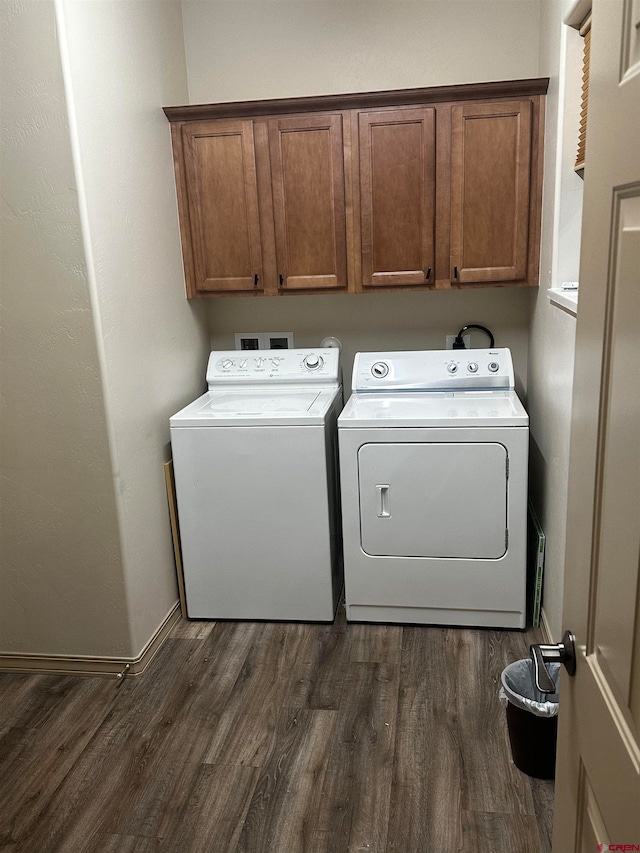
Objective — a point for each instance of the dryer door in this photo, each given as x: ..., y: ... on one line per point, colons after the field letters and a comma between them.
x: 433, y: 500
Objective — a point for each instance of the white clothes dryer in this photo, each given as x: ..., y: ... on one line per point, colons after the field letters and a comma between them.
x: 433, y: 462
x: 255, y: 462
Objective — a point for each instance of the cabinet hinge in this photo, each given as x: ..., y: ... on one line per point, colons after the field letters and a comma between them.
x: 455, y: 272
x: 427, y: 275
x: 281, y: 280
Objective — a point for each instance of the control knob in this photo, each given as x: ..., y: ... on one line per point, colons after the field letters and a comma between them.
x: 312, y: 361
x: 494, y: 367
x: 472, y: 367
x: 452, y: 367
x: 226, y: 363
x: 380, y: 369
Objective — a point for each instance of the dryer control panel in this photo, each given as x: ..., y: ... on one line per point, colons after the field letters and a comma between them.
x: 433, y: 370
x: 295, y: 366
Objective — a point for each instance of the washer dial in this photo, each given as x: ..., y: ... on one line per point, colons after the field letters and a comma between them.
x: 493, y: 366
x: 452, y: 367
x: 312, y: 361
x: 472, y: 367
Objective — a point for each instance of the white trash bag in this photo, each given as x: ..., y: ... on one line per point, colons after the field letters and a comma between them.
x: 519, y: 688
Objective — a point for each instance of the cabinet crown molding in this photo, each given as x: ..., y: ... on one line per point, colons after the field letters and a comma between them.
x: 361, y: 100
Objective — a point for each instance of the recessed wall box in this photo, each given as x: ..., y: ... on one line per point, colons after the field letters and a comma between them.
x: 249, y: 340
x: 278, y: 340
x: 465, y: 338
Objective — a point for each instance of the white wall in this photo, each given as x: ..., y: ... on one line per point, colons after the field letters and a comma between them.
x: 100, y: 346
x: 62, y: 588
x: 552, y: 336
x: 126, y: 60
x: 384, y: 321
x: 243, y: 50
x: 246, y: 49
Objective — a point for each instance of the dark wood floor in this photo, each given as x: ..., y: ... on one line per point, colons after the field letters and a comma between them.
x: 278, y: 738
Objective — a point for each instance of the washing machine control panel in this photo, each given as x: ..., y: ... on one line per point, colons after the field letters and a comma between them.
x: 433, y: 370
x: 294, y: 366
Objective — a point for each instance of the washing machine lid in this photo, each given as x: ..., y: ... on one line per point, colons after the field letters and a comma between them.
x: 476, y: 408
x: 265, y: 406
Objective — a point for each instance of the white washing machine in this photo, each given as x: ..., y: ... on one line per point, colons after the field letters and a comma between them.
x: 433, y: 463
x: 255, y: 461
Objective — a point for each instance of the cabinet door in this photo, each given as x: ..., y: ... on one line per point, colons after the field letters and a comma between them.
x: 490, y: 169
x: 223, y: 205
x: 307, y: 173
x: 397, y: 197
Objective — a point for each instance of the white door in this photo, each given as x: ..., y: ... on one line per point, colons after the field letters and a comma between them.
x: 597, y: 782
x: 433, y: 499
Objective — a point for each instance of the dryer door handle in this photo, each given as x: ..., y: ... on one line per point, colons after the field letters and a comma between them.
x: 382, y: 502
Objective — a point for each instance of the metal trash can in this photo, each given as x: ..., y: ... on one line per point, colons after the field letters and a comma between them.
x: 532, y: 718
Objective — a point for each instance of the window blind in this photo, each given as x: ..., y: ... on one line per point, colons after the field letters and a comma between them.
x: 585, y: 31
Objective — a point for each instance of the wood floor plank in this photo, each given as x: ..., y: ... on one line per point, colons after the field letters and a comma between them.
x: 499, y: 833
x: 427, y: 775
x: 491, y: 782
x: 542, y: 791
x: 187, y: 629
x: 213, y: 810
x: 375, y: 643
x: 288, y: 792
x: 319, y: 679
x: 354, y: 810
x: 126, y: 844
x: 163, y: 772
x: 246, y: 727
x: 37, y: 757
x: 127, y: 776
x: 20, y: 692
x: 364, y: 738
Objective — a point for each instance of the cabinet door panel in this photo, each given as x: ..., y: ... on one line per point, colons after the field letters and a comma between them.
x: 397, y: 179
x: 307, y: 171
x: 490, y: 170
x: 223, y: 205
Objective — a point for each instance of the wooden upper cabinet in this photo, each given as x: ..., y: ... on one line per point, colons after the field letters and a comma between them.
x: 491, y: 150
x: 397, y: 196
x: 222, y: 206
x: 307, y: 175
x: 407, y: 189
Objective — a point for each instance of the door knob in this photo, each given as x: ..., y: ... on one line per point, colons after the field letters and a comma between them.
x: 544, y: 653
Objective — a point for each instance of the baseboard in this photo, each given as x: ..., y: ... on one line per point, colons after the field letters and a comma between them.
x: 544, y: 627
x: 89, y: 665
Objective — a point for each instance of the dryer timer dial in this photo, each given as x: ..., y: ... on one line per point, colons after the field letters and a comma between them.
x: 380, y: 369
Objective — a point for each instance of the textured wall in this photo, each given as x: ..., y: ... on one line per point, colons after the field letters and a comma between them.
x: 61, y: 583
x: 126, y: 59
x: 385, y: 321
x: 241, y: 50
x: 552, y: 337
